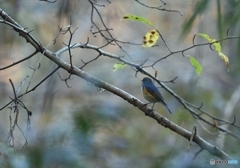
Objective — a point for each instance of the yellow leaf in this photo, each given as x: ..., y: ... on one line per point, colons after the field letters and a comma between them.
x: 150, y: 38
x: 225, y: 59
x: 211, y: 40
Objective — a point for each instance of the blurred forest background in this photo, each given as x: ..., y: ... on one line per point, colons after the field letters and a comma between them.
x: 82, y: 127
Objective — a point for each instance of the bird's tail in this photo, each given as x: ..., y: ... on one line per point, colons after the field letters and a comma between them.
x: 165, y: 105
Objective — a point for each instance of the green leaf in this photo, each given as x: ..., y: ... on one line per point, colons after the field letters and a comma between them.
x: 211, y: 40
x: 196, y: 64
x: 118, y: 66
x: 137, y: 18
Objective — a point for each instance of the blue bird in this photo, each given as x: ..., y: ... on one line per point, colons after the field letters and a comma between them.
x: 151, y: 93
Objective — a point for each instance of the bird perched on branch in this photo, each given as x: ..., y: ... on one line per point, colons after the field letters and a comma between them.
x: 151, y: 93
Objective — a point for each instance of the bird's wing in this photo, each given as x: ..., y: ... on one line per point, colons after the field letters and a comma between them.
x: 154, y: 91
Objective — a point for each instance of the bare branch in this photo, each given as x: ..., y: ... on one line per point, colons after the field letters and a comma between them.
x: 15, y: 63
x: 194, y: 132
x: 43, y: 80
x: 160, y: 8
x: 106, y: 29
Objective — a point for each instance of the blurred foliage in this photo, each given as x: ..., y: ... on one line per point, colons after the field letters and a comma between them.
x: 228, y: 15
x: 199, y: 8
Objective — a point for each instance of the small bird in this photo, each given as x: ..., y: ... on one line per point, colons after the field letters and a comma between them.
x: 151, y: 93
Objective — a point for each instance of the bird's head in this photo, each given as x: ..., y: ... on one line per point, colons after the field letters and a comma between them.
x: 146, y: 80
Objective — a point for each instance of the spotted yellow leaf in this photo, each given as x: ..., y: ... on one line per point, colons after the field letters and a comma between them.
x: 225, y: 59
x: 150, y: 38
x: 211, y: 40
x: 137, y: 18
